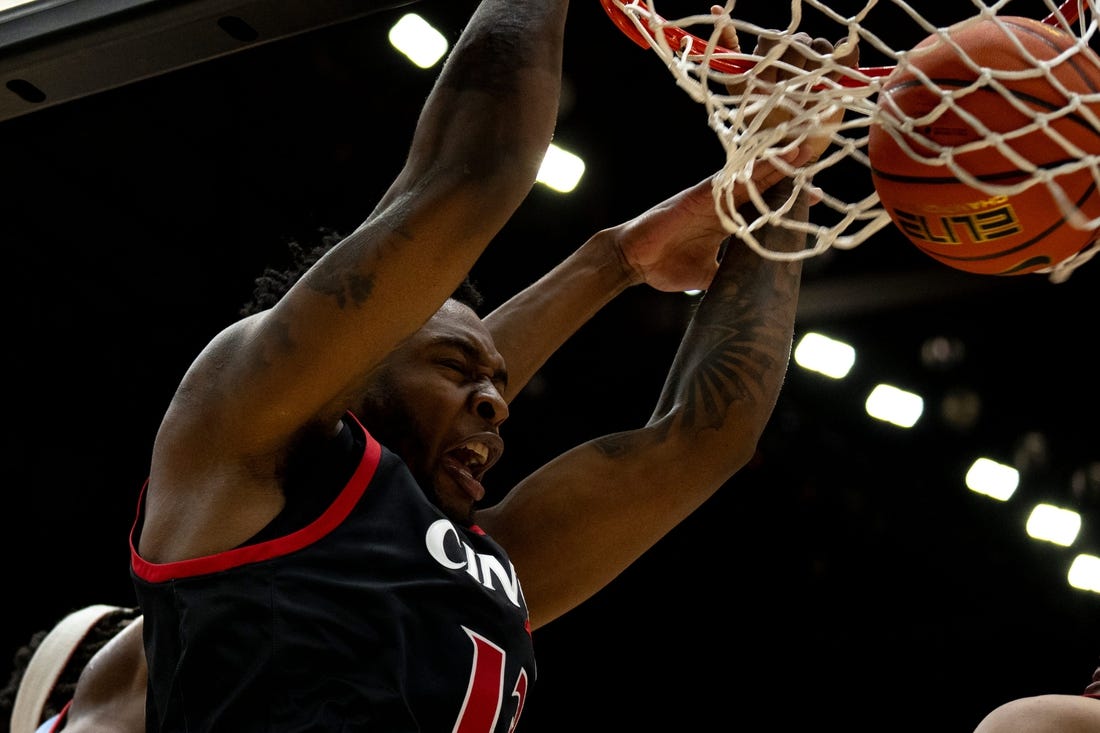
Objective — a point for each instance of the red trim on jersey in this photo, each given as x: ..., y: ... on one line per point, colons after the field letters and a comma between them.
x: 331, y: 518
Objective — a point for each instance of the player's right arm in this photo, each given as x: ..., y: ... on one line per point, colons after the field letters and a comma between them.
x: 479, y: 140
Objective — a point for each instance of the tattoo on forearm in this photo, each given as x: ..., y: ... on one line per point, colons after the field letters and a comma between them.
x: 733, y: 369
x: 738, y: 346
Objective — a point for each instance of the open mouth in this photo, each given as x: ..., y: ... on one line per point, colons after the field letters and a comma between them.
x: 468, y: 461
x: 473, y: 454
x: 477, y: 453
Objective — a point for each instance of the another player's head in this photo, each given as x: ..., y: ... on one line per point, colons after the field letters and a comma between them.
x: 57, y: 656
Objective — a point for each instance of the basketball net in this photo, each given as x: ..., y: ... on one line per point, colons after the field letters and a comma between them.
x: 839, y: 102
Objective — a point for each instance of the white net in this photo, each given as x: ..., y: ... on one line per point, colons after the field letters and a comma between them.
x: 838, y: 105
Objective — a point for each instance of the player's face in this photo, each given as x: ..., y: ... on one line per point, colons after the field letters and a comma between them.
x: 437, y: 403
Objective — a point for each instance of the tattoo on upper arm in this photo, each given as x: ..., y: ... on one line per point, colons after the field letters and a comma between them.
x: 337, y: 277
x: 617, y: 444
x: 347, y: 288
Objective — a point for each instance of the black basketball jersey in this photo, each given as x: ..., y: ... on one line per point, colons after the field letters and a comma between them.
x: 379, y: 615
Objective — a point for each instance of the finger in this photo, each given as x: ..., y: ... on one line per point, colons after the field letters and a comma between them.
x: 795, y: 52
x: 814, y: 194
x: 807, y: 153
x: 770, y: 175
x: 793, y: 55
x: 727, y: 35
x: 765, y: 174
x: 846, y: 52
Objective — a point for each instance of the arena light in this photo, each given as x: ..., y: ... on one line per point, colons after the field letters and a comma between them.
x: 992, y: 479
x: 417, y: 39
x: 824, y: 355
x: 894, y: 405
x: 1053, y: 524
x: 1084, y: 573
x: 560, y: 169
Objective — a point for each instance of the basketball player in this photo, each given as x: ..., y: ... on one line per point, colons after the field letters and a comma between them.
x: 112, y: 686
x: 311, y: 550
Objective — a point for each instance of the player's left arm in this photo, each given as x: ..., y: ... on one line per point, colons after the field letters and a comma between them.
x: 576, y: 523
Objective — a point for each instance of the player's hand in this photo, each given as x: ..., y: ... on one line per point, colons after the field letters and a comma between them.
x: 727, y: 34
x: 842, y: 53
x: 791, y: 61
x: 674, y: 246
x: 1094, y: 688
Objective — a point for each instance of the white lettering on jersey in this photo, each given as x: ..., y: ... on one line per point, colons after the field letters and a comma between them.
x: 485, y: 569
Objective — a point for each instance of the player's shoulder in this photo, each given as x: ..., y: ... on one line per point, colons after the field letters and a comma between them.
x: 1051, y: 713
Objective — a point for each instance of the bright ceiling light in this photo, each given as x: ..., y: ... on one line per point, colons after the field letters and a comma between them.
x: 1084, y: 573
x: 894, y: 405
x: 1053, y: 524
x: 824, y: 355
x: 417, y: 39
x: 992, y: 479
x: 560, y: 169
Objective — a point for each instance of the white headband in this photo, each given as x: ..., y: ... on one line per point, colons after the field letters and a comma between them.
x: 49, y: 660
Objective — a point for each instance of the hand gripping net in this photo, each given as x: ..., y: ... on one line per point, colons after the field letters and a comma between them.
x: 839, y: 102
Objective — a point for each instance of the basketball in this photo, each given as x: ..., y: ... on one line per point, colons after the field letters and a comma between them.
x: 966, y: 227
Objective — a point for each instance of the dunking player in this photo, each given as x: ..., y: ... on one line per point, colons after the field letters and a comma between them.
x: 311, y: 551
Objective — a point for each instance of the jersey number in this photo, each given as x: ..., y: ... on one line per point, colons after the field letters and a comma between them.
x: 485, y: 693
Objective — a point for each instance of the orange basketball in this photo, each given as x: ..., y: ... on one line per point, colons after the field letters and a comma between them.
x: 965, y: 227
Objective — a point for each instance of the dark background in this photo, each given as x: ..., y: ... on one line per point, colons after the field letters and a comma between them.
x: 847, y: 578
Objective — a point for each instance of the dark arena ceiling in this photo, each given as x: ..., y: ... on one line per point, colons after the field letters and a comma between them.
x: 847, y: 578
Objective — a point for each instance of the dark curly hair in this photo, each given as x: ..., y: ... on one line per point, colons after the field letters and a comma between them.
x: 273, y: 283
x: 103, y: 631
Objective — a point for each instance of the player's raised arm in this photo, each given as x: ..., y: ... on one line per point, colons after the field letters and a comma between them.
x: 576, y: 523
x: 294, y: 369
x: 479, y: 141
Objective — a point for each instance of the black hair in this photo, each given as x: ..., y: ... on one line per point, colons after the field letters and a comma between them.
x: 104, y: 630
x: 273, y: 283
